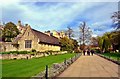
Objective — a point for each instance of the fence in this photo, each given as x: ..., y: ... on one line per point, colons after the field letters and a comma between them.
x: 57, y: 68
x: 110, y: 58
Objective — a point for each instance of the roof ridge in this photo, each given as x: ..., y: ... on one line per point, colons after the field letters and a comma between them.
x: 44, y: 33
x: 45, y: 38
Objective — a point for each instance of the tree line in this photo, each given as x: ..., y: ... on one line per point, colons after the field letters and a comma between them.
x: 110, y: 41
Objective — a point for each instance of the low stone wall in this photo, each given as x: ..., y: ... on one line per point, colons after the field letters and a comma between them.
x: 29, y: 56
x: 16, y: 56
x: 55, y: 53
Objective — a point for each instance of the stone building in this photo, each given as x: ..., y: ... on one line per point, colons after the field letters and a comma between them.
x: 56, y: 34
x: 32, y: 39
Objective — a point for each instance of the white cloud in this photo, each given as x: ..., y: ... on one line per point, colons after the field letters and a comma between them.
x: 55, y: 15
x: 8, y: 2
x: 44, y: 16
x: 102, y: 25
x: 49, y: 16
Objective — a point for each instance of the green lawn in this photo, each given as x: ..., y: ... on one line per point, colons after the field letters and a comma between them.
x: 31, y: 67
x: 113, y: 56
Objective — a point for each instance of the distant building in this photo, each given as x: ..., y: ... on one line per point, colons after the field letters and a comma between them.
x: 56, y: 34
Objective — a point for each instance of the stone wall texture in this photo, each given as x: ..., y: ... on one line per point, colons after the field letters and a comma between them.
x: 29, y: 56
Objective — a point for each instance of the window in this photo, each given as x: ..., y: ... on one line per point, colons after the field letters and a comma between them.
x: 28, y: 43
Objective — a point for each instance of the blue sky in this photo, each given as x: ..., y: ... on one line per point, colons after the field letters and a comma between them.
x: 45, y: 16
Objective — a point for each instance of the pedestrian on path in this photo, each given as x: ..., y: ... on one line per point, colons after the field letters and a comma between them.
x: 88, y: 52
x: 84, y: 52
x: 92, y: 52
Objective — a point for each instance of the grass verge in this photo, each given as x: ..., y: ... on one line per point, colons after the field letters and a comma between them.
x: 113, y: 56
x: 31, y: 67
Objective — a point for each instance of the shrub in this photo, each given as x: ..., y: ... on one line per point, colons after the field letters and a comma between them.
x: 33, y: 50
x: 97, y: 51
x: 23, y: 52
x: 77, y: 51
x: 16, y: 52
x: 70, y: 51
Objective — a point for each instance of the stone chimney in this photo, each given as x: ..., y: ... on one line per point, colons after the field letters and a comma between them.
x: 48, y: 33
x: 19, y: 23
x: 26, y: 25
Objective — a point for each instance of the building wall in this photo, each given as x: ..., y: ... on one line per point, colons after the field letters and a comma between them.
x: 28, y: 36
x: 7, y: 46
x: 55, y: 34
x: 46, y: 47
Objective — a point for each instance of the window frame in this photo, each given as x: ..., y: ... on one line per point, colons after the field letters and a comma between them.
x: 28, y: 43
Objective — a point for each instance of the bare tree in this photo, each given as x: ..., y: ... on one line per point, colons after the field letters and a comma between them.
x: 80, y: 40
x: 69, y: 32
x: 116, y: 19
x: 94, y: 41
x: 85, y: 33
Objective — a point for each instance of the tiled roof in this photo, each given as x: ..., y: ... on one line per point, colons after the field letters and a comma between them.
x: 44, y: 38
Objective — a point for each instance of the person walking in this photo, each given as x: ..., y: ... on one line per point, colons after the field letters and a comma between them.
x: 84, y: 52
x: 88, y: 52
x: 92, y: 52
